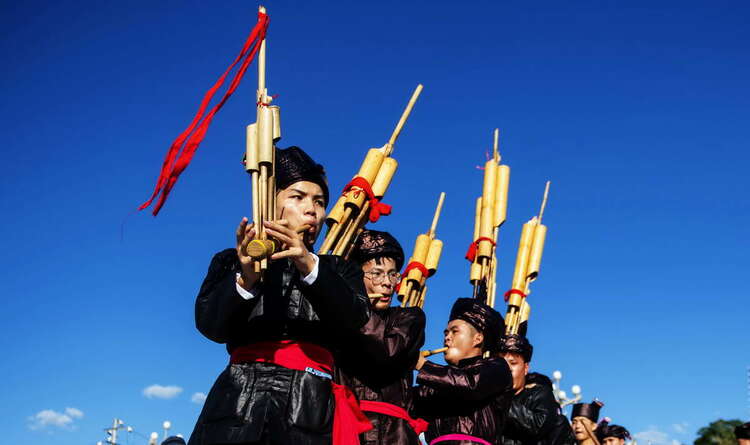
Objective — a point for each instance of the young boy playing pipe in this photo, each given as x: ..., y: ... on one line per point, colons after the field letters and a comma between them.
x: 466, y: 401
x: 280, y: 331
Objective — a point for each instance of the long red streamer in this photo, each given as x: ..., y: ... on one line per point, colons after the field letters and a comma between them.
x: 173, y: 164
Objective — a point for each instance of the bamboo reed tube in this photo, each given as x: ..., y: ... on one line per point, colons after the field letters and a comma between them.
x: 404, y: 116
x: 501, y: 195
x: 433, y: 256
x: 265, y: 135
x: 384, y: 177
x: 421, y: 249
x: 251, y: 148
x: 334, y: 231
x: 477, y: 218
x: 337, y: 212
x: 369, y: 171
x: 348, y: 237
x: 524, y: 312
x: 436, y: 217
x: 522, y: 260
x: 535, y: 252
x: 276, y: 113
x: 434, y: 351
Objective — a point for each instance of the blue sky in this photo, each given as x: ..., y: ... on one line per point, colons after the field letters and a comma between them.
x: 637, y: 112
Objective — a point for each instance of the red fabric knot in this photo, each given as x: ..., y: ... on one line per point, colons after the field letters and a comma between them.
x: 377, y: 208
x: 411, y: 266
x: 471, y: 254
x: 514, y: 291
x: 418, y: 425
x: 183, y: 148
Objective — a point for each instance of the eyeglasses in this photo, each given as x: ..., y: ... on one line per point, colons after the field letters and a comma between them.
x: 378, y: 276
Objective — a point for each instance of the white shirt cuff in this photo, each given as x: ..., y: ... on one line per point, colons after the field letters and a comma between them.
x: 313, y: 275
x: 246, y: 294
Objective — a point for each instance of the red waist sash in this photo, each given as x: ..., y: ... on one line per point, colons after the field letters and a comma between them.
x: 418, y: 425
x: 448, y: 437
x: 348, y: 420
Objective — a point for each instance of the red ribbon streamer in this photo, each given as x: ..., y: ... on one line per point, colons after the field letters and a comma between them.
x: 418, y: 425
x: 514, y: 291
x: 173, y: 164
x: 348, y: 419
x: 471, y: 254
x: 377, y: 208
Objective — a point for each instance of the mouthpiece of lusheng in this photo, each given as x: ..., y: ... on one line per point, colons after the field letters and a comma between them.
x: 434, y: 351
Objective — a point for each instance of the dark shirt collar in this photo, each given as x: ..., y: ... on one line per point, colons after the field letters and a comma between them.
x: 469, y: 361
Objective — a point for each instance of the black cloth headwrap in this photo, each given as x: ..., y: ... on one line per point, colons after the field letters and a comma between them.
x: 742, y: 431
x: 516, y: 344
x: 294, y: 165
x: 173, y: 440
x: 587, y: 410
x: 612, y: 431
x: 376, y: 244
x: 485, y: 319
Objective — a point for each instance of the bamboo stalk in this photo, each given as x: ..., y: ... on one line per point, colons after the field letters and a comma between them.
x: 544, y: 201
x: 402, y: 120
x: 436, y: 217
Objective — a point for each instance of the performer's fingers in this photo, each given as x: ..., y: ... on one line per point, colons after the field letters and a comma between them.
x: 241, y: 229
x: 285, y: 254
x: 284, y: 238
x: 281, y: 229
x: 249, y: 236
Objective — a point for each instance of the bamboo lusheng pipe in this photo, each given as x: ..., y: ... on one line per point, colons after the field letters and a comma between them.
x: 528, y: 262
x: 490, y: 213
x: 434, y: 351
x: 260, y: 157
x: 259, y: 249
x: 344, y: 221
x: 427, y: 251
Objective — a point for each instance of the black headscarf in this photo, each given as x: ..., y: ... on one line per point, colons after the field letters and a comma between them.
x: 294, y: 165
x: 173, y: 440
x: 587, y: 410
x: 485, y: 319
x: 742, y: 431
x: 617, y: 431
x: 516, y: 344
x: 376, y: 244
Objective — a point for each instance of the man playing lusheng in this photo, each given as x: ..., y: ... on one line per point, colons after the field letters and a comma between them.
x: 279, y: 331
x: 585, y: 417
x: 466, y: 401
x: 612, y: 434
x: 380, y: 365
x: 534, y: 416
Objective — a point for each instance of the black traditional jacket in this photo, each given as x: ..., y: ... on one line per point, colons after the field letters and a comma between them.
x: 471, y: 398
x: 380, y: 368
x: 534, y: 417
x: 256, y: 402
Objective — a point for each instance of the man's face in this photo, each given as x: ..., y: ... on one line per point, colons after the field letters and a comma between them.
x: 518, y: 369
x: 579, y: 427
x: 302, y: 203
x: 380, y: 278
x: 743, y: 441
x: 613, y: 441
x: 463, y: 341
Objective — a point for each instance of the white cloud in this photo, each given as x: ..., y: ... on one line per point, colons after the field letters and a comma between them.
x: 48, y: 418
x: 74, y: 413
x: 680, y: 428
x: 653, y: 436
x: 198, y: 398
x: 161, y: 392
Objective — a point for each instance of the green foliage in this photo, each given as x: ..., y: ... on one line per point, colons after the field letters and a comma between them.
x: 718, y: 432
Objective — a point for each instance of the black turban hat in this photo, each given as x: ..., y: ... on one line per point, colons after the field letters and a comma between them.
x: 294, y: 165
x: 617, y: 431
x: 173, y: 440
x: 375, y: 244
x: 742, y: 431
x: 587, y: 410
x: 485, y: 319
x: 516, y: 344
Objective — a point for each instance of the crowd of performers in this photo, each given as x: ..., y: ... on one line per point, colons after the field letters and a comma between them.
x: 315, y: 360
